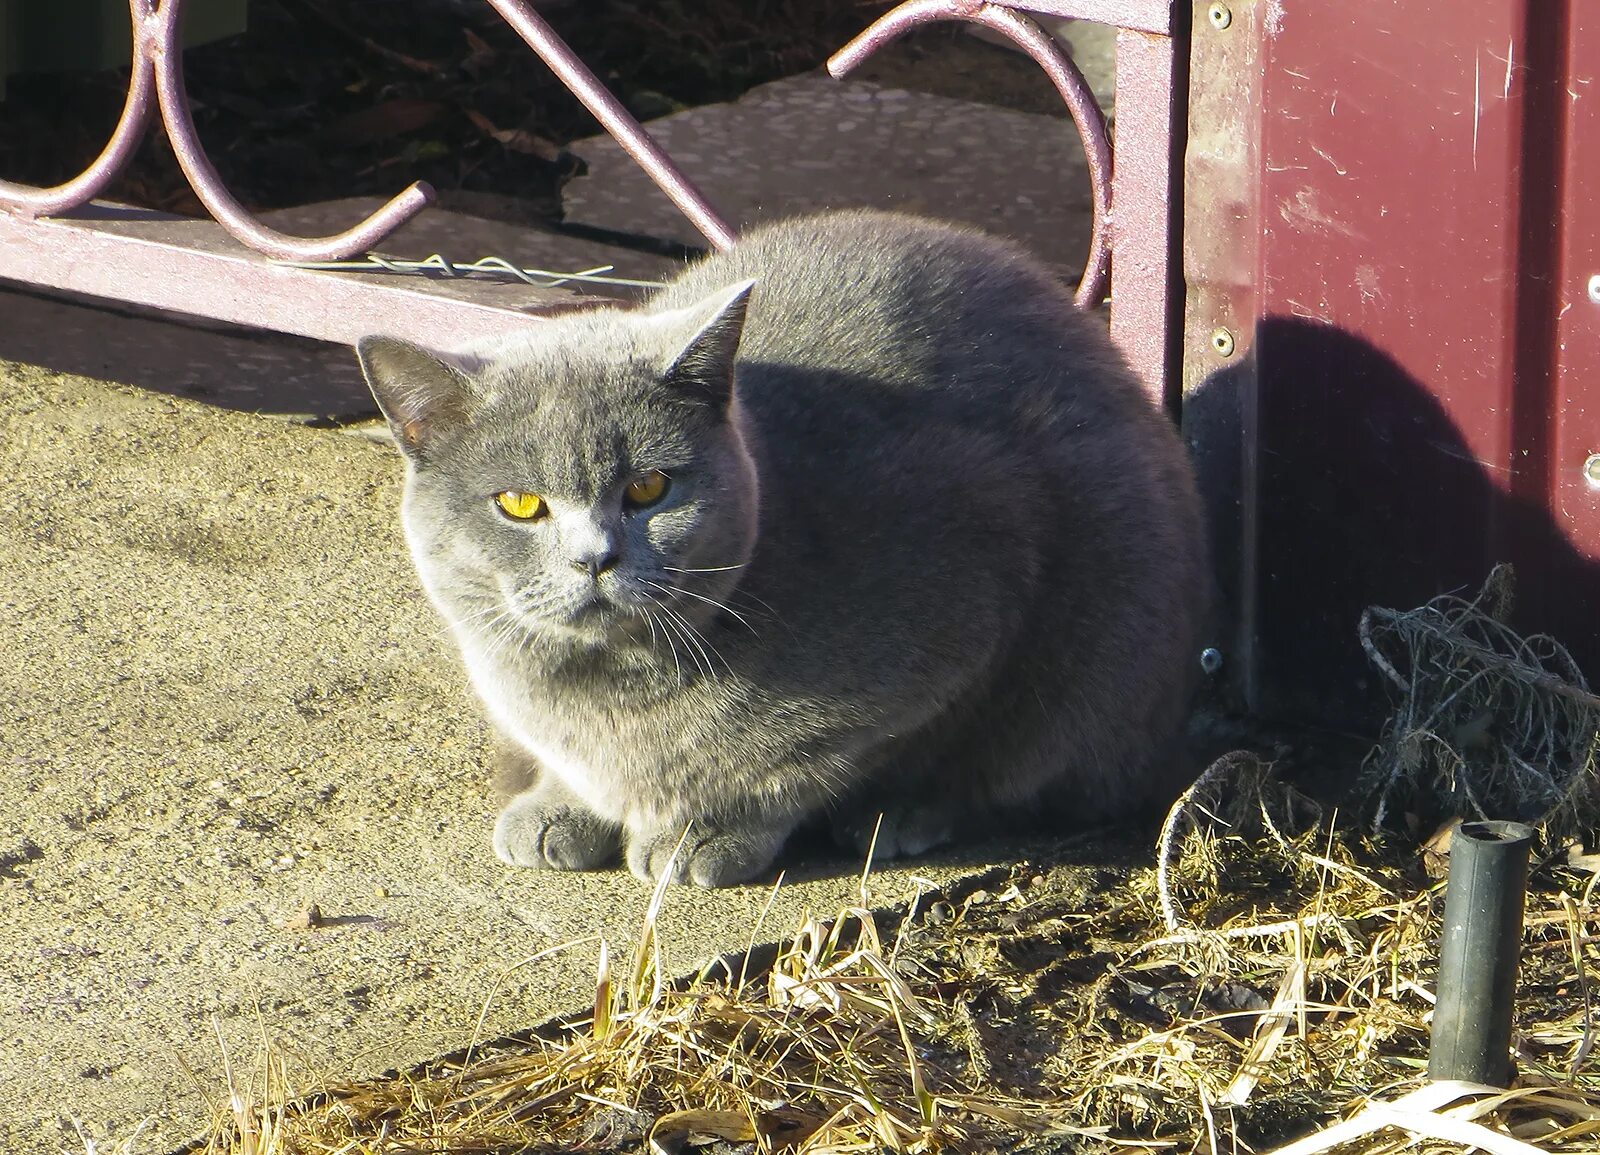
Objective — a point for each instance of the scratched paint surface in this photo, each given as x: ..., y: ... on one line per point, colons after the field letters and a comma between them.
x: 1577, y: 334
x: 1425, y: 350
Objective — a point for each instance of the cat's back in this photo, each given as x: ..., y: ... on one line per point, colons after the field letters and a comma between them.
x: 889, y: 292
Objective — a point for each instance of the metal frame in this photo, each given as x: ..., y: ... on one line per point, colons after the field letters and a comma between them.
x: 60, y: 238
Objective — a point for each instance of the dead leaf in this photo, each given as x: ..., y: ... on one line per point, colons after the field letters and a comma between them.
x: 1436, y: 851
x: 480, y: 57
x: 680, y: 1129
x: 382, y: 121
x: 780, y: 1128
x: 515, y: 139
x: 785, y: 1127
x: 308, y: 919
x: 1578, y: 860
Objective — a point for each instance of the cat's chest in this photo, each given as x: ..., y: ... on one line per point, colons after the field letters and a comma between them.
x: 596, y: 741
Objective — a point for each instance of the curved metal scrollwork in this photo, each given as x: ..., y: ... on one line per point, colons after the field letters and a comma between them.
x: 157, y: 70
x: 1063, y: 73
x: 156, y: 81
x: 125, y: 140
x: 163, y: 47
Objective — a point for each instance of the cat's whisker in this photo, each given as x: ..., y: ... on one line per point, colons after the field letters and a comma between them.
x: 737, y: 592
x: 494, y: 625
x: 701, y: 661
x: 674, y: 635
x: 748, y: 596
x: 706, y: 643
x: 650, y: 620
x: 705, y: 569
x: 762, y: 609
x: 697, y: 642
x: 709, y: 601
x: 671, y: 647
x: 473, y: 618
x: 501, y: 634
x: 505, y: 632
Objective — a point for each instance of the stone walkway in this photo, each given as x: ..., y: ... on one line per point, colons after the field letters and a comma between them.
x: 811, y: 142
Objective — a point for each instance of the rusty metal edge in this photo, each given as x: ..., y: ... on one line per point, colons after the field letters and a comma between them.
x: 1221, y: 263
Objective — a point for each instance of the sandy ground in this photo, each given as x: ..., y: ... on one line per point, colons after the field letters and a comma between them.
x: 223, y: 698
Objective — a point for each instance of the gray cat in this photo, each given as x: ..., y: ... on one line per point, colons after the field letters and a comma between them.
x: 861, y: 517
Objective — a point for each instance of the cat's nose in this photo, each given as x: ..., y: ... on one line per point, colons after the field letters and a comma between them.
x: 595, y: 562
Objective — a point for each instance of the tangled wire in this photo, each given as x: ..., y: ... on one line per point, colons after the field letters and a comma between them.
x: 1490, y: 724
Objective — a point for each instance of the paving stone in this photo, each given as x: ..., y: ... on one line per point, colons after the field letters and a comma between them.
x: 811, y: 142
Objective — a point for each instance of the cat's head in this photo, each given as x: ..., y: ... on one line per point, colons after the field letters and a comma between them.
x: 581, y: 482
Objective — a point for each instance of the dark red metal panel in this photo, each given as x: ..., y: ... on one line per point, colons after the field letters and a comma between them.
x: 1389, y: 317
x: 1574, y: 343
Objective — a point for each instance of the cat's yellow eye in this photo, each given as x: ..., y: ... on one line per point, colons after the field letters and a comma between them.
x: 647, y: 488
x: 521, y: 506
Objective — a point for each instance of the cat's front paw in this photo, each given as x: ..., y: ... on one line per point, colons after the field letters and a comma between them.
x: 706, y: 857
x: 531, y: 832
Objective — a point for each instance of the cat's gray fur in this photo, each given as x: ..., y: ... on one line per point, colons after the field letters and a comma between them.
x: 960, y: 552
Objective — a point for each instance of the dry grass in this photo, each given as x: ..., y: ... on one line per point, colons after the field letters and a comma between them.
x: 1280, y: 986
x: 1300, y: 975
x: 1490, y: 723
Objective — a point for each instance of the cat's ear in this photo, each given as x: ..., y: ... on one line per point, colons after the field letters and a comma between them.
x: 707, y: 336
x: 421, y: 395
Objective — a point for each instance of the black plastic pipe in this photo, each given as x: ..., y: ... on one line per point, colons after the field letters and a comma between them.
x: 1478, y: 952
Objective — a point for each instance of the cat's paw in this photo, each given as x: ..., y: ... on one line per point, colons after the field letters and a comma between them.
x: 530, y: 832
x: 707, y: 857
x: 906, y: 831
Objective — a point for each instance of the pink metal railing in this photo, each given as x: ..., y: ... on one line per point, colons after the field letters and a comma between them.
x: 1086, y: 114
x: 158, y: 64
x: 111, y: 252
x: 1136, y: 221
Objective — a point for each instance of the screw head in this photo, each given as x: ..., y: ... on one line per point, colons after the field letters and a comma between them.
x: 1211, y: 661
x: 1594, y: 288
x: 1222, y: 342
x: 1591, y: 470
x: 1220, y: 16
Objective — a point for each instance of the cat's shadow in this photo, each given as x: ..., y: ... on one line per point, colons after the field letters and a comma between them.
x: 813, y: 856
x: 1336, y: 480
